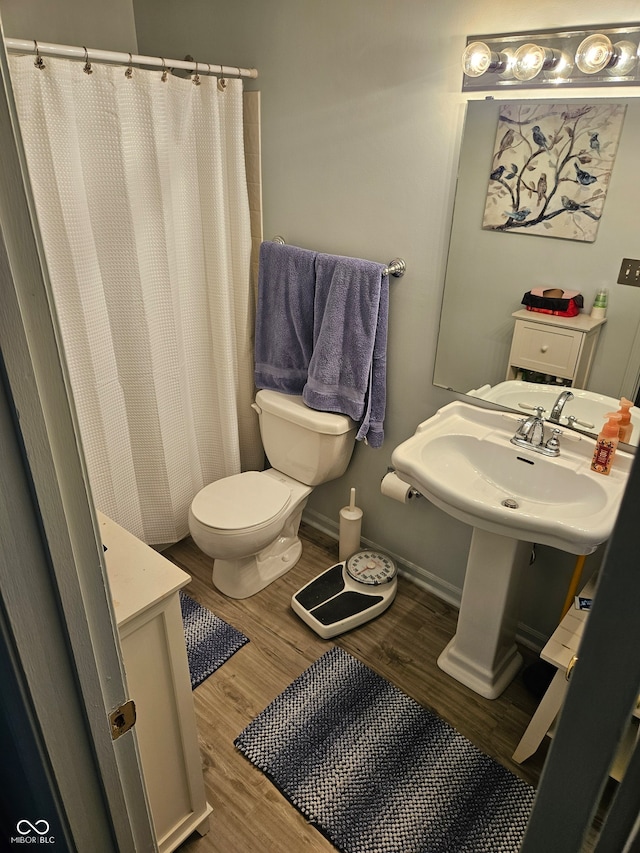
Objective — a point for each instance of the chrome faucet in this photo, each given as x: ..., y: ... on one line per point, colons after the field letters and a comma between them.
x: 558, y: 406
x: 530, y: 434
x: 531, y: 429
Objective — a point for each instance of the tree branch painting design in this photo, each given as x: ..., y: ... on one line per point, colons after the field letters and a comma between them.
x: 551, y: 168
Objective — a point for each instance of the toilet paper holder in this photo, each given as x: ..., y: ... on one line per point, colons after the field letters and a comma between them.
x: 413, y: 493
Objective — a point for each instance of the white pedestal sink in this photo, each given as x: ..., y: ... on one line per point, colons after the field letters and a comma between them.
x: 463, y: 461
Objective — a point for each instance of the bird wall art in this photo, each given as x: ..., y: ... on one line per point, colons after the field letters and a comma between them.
x: 551, y: 168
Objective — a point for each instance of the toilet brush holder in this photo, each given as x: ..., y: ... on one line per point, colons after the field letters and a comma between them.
x: 350, y: 527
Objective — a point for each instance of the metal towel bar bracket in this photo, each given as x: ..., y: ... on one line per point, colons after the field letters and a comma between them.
x: 397, y: 267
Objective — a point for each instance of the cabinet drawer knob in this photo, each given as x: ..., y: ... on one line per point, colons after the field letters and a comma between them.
x: 544, y: 347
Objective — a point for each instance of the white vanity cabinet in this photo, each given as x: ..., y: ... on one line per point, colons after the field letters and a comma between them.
x: 559, y: 346
x: 145, y: 591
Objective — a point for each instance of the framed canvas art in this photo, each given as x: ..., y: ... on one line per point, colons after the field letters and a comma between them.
x: 551, y: 168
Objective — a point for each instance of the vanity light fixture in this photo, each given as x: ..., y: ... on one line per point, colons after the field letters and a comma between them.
x: 602, y: 56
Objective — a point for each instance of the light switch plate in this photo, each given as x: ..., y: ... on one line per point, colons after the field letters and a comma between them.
x: 629, y: 272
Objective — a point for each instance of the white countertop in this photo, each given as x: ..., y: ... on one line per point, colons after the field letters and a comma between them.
x: 138, y: 576
x: 582, y: 322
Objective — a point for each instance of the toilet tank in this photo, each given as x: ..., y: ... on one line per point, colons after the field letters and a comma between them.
x: 312, y: 447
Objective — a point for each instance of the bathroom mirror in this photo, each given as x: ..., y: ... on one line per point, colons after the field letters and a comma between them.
x: 488, y: 272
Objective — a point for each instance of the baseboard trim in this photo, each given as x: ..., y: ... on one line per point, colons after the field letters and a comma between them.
x: 422, y: 577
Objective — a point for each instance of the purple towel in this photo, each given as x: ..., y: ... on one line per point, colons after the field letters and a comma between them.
x: 284, y: 317
x: 347, y: 370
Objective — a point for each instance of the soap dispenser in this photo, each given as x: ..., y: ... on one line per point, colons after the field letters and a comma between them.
x: 626, y: 427
x: 599, y: 310
x: 607, y: 444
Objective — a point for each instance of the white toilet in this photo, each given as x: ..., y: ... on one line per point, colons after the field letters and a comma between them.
x: 249, y: 522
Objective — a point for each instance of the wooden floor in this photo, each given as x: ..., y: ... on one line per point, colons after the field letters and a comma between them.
x: 249, y: 814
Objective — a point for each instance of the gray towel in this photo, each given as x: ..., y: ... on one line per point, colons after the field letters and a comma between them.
x: 284, y: 317
x: 347, y: 370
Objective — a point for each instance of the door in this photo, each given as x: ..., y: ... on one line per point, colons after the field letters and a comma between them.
x: 58, y: 627
x: 602, y: 694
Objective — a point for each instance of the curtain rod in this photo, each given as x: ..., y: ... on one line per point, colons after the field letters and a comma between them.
x: 96, y: 55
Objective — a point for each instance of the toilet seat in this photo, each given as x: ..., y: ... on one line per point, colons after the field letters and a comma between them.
x: 240, y: 502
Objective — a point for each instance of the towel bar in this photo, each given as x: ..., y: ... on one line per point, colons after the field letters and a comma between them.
x: 397, y: 267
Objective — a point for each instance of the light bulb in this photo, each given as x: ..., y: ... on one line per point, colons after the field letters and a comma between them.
x: 625, y: 59
x: 476, y: 59
x: 531, y: 59
x: 528, y: 62
x: 594, y: 54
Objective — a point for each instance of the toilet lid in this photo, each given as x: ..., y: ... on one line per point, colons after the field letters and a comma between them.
x: 243, y: 500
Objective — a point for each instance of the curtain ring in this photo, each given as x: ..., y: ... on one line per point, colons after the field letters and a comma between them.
x: 129, y: 72
x: 196, y: 77
x: 222, y: 83
x: 87, y: 65
x: 38, y: 61
x: 165, y: 70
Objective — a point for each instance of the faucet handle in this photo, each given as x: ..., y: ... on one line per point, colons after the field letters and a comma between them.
x: 553, y: 443
x: 572, y: 419
x: 571, y: 435
x: 537, y: 409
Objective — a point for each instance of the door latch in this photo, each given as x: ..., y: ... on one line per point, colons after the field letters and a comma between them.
x: 122, y: 719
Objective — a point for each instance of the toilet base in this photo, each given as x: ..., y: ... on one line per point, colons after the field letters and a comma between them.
x: 245, y: 576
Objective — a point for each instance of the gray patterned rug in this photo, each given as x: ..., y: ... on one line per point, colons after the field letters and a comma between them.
x: 210, y: 641
x: 376, y: 772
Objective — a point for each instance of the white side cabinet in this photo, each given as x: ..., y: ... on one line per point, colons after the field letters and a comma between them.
x: 562, y: 651
x: 559, y: 346
x: 144, y: 588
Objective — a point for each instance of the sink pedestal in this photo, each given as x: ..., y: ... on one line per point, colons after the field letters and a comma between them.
x: 483, y: 654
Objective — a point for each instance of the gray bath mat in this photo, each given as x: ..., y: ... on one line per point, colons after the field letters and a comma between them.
x: 376, y: 772
x: 210, y: 641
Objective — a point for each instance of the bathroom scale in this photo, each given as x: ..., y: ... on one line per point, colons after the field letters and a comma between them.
x: 348, y: 594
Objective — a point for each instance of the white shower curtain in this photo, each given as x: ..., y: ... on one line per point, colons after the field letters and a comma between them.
x: 142, y: 203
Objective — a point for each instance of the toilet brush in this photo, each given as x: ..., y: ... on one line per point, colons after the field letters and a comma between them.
x: 350, y: 525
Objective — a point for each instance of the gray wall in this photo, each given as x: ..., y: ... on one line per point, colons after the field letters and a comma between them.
x: 361, y: 123
x: 362, y: 117
x: 107, y: 26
